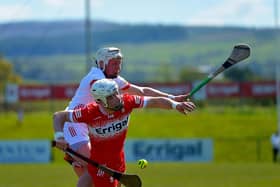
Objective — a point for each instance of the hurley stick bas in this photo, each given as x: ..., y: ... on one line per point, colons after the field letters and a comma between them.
x: 127, y: 180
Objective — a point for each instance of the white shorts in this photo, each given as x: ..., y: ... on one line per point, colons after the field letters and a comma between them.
x: 75, y: 132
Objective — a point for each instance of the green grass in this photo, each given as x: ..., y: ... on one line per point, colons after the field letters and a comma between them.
x: 239, y: 133
x: 155, y: 175
x: 213, y: 122
x: 217, y: 122
x: 210, y: 175
x: 37, y: 175
x: 245, y: 130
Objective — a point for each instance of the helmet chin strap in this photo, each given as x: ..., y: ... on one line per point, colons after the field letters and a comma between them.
x: 116, y: 108
x: 111, y: 76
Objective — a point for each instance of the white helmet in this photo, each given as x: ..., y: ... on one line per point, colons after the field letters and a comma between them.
x: 105, y: 54
x: 103, y: 88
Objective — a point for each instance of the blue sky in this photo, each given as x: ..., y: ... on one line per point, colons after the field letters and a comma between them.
x: 248, y: 13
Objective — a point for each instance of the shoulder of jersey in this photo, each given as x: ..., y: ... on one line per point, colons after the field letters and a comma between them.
x: 92, y: 105
x: 131, y: 98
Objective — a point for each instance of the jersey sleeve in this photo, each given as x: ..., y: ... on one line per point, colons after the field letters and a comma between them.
x: 133, y: 101
x: 85, y: 114
x: 122, y: 83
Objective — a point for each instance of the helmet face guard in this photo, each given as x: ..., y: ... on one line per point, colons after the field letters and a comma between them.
x: 104, y: 88
x: 103, y: 56
x: 117, y: 107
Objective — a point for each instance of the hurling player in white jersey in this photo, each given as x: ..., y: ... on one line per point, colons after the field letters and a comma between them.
x: 108, y: 121
x: 109, y: 62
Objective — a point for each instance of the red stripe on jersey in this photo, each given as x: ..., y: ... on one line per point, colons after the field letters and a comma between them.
x: 72, y: 131
x: 91, y: 83
x: 126, y: 87
x: 79, y: 106
x: 77, y: 114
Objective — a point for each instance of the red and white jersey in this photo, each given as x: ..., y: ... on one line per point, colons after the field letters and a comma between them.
x: 107, y: 131
x: 83, y: 96
x: 74, y: 133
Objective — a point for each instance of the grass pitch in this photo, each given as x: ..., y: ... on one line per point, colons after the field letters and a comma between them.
x: 155, y: 175
x: 238, y: 134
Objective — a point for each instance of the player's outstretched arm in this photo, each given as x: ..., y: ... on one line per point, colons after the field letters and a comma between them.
x: 148, y: 91
x: 166, y: 103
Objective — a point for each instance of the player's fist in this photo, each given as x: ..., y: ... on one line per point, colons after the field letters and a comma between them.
x: 186, y: 107
x: 61, y: 144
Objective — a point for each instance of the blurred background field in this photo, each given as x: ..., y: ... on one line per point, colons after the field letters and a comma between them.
x: 242, y: 150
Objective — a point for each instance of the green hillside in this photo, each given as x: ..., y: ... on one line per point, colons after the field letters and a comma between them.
x: 151, y: 52
x: 151, y: 62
